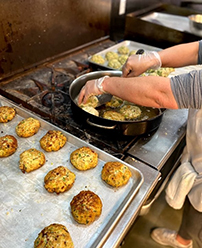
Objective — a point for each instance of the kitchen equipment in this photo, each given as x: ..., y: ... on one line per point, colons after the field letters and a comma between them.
x: 131, y: 128
x: 104, y: 98
x: 195, y: 22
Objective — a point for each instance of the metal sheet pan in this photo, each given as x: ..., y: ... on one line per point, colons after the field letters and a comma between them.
x: 132, y: 45
x: 26, y: 207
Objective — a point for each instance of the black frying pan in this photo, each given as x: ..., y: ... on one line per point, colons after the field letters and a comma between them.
x: 131, y: 128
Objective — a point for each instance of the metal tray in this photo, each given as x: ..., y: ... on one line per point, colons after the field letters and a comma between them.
x: 26, y: 207
x: 130, y: 44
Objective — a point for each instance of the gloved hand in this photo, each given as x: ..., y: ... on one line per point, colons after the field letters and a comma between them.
x: 92, y: 87
x: 137, y: 64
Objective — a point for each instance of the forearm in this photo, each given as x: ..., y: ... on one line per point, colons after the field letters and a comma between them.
x: 147, y: 91
x: 180, y: 55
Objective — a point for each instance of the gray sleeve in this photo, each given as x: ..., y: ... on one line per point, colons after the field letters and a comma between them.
x: 187, y: 89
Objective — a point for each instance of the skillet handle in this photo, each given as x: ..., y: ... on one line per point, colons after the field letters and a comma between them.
x: 100, y: 126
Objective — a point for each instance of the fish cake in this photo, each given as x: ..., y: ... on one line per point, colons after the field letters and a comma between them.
x: 115, y: 64
x: 84, y: 158
x: 27, y: 127
x: 31, y: 159
x: 59, y: 180
x: 96, y: 58
x: 130, y: 111
x: 115, y: 102
x: 91, y: 102
x: 6, y: 114
x: 111, y: 55
x: 91, y: 110
x: 122, y: 58
x: 113, y: 115
x: 53, y: 140
x: 8, y: 145
x: 54, y: 235
x: 86, y: 207
x: 115, y: 174
x: 123, y: 50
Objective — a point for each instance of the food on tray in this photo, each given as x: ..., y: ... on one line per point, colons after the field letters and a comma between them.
x: 53, y: 140
x: 84, y: 158
x: 130, y: 111
x: 122, y: 59
x: 86, y: 207
x: 59, y: 180
x: 116, y: 174
x: 132, y: 52
x: 115, y: 64
x: 111, y: 55
x: 91, y: 110
x: 54, y: 235
x: 123, y: 50
x: 8, y: 145
x: 31, y: 159
x: 163, y: 72
x: 113, y: 115
x: 27, y: 127
x: 115, y: 102
x: 6, y: 113
x: 98, y: 59
x: 91, y: 102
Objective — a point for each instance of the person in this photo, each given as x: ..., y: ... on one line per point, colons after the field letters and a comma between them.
x: 177, y: 92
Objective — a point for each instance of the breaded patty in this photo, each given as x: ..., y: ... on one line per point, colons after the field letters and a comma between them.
x: 130, y: 111
x: 96, y: 58
x: 115, y: 102
x: 53, y: 140
x: 113, y: 115
x: 31, y: 159
x: 27, y: 127
x: 54, y: 236
x: 91, y: 110
x: 91, y: 102
x: 122, y: 58
x: 84, y: 158
x: 59, y: 180
x: 116, y: 174
x: 123, y: 50
x: 8, y: 145
x: 115, y: 64
x: 111, y: 55
x: 86, y: 207
x: 7, y: 113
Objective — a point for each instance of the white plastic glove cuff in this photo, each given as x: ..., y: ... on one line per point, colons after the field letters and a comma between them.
x: 158, y: 62
x: 98, y: 83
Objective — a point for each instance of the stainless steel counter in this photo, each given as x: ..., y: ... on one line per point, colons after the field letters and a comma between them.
x: 155, y: 150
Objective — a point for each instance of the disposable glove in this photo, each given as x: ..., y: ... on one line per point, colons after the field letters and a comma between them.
x: 138, y: 64
x: 92, y: 87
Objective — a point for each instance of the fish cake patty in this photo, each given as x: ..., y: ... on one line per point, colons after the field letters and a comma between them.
x: 115, y: 174
x: 31, y: 159
x: 115, y: 102
x: 91, y: 102
x: 130, y: 111
x: 123, y: 50
x: 6, y: 113
x: 84, y: 158
x: 91, y: 110
x: 8, y: 145
x: 113, y: 115
x: 86, y: 207
x: 27, y: 127
x: 59, y: 180
x: 53, y: 140
x: 54, y: 235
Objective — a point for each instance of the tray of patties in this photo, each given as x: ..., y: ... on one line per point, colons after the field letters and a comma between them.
x: 114, y: 57
x: 56, y: 188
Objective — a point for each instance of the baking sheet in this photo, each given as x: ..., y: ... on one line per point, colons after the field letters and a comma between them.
x: 180, y: 23
x: 132, y: 45
x: 26, y: 206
